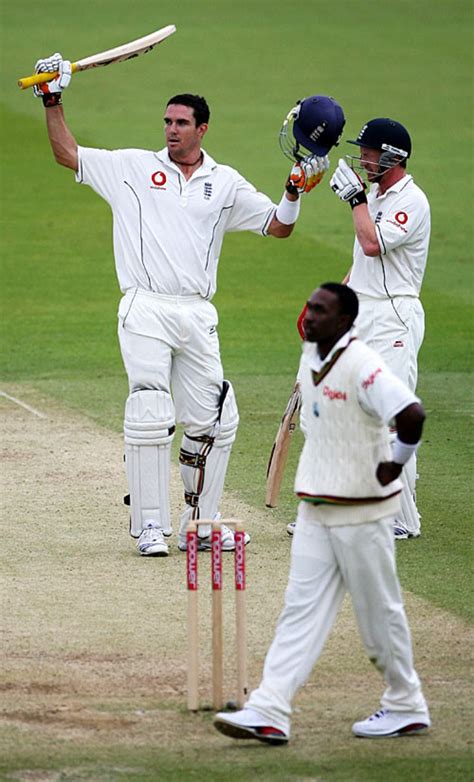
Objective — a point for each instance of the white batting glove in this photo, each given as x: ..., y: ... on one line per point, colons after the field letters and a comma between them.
x: 348, y: 185
x: 53, y: 89
x: 307, y: 173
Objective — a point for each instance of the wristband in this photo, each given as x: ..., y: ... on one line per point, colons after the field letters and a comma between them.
x: 359, y: 198
x: 287, y: 211
x: 290, y: 187
x: 402, y: 452
x: 51, y: 99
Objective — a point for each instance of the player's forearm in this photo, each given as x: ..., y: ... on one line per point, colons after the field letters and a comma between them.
x: 62, y: 141
x: 365, y: 230
x: 285, y: 217
x: 410, y: 423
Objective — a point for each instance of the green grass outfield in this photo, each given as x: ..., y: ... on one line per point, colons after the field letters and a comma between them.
x: 252, y: 60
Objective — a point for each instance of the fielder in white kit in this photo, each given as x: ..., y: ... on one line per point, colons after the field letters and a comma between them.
x: 392, y: 226
x: 171, y: 209
x: 348, y: 484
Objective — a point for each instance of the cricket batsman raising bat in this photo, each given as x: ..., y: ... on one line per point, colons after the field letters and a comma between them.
x: 309, y: 131
x: 51, y: 72
x: 166, y: 259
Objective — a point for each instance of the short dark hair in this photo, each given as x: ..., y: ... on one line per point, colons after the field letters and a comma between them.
x: 348, y: 301
x: 196, y: 102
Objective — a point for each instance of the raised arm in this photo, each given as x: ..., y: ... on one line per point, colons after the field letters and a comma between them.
x: 350, y: 188
x: 62, y: 141
x: 304, y: 176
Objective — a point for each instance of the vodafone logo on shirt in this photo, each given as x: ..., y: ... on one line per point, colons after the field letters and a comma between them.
x: 159, y: 180
x: 401, y: 218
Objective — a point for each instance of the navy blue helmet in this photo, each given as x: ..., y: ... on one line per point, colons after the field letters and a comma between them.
x: 316, y: 123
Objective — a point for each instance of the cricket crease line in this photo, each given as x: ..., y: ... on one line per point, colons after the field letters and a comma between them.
x: 23, y: 404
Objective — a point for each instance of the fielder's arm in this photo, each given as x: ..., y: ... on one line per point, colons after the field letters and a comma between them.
x: 409, y: 423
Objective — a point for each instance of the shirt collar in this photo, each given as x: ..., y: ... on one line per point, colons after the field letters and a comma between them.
x: 396, y: 188
x: 315, y: 362
x: 208, y: 163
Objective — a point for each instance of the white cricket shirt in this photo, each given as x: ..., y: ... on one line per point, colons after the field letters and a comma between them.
x: 167, y: 231
x: 381, y: 395
x: 402, y: 224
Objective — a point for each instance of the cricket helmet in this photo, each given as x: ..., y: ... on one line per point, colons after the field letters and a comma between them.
x: 388, y: 136
x: 316, y: 124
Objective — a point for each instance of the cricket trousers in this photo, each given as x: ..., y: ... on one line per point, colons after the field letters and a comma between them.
x: 395, y: 328
x: 170, y: 343
x: 327, y: 562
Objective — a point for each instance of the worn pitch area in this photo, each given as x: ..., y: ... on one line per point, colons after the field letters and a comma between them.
x: 94, y: 636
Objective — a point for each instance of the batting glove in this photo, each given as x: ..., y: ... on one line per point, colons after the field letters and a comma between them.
x: 307, y: 174
x: 50, y: 91
x: 348, y: 185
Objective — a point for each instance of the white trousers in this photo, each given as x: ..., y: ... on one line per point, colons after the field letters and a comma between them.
x: 170, y: 343
x: 395, y: 330
x: 326, y: 562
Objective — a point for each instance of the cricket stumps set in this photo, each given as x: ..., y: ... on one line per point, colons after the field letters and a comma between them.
x: 217, y: 623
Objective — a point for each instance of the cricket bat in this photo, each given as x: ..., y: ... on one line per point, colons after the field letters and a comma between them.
x: 120, y: 53
x: 279, y: 452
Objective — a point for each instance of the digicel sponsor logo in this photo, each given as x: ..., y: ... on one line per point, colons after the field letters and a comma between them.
x: 334, y: 394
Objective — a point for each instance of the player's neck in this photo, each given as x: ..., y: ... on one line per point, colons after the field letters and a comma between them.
x: 188, y: 167
x: 391, y: 178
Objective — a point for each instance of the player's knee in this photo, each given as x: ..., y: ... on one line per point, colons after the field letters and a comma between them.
x: 222, y: 428
x: 229, y: 419
x: 149, y: 418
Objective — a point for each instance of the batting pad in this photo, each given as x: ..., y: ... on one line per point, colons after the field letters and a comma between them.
x: 204, y: 480
x: 149, y: 427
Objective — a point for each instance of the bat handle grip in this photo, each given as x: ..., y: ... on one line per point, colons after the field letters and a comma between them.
x: 40, y: 78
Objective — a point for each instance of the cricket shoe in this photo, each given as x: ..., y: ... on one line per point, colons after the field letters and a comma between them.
x: 205, y: 541
x: 291, y: 528
x: 166, y: 532
x: 386, y: 724
x: 401, y: 533
x: 248, y: 724
x: 151, y: 542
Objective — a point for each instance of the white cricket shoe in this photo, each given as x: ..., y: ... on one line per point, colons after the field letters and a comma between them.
x: 151, y: 542
x: 291, y: 528
x: 401, y: 533
x: 386, y: 724
x: 205, y: 541
x: 248, y: 724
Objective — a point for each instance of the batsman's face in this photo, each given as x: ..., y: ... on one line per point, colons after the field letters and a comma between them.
x: 369, y: 161
x: 183, y: 137
x: 322, y: 322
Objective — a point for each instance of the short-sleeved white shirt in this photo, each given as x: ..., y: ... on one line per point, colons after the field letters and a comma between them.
x: 402, y: 223
x: 380, y: 393
x: 167, y: 230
